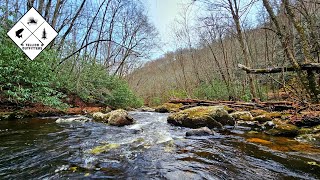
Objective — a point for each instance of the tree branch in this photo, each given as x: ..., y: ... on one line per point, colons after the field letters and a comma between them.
x: 309, y: 66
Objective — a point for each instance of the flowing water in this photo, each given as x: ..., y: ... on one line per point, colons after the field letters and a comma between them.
x: 40, y: 148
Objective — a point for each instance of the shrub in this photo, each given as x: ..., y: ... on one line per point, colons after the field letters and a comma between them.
x: 22, y: 80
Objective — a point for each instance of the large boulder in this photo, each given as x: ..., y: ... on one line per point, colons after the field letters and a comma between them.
x: 119, y: 117
x: 202, y: 116
x: 204, y: 131
x: 242, y: 116
x: 168, y: 107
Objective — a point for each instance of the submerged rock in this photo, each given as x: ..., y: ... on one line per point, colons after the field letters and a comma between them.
x: 204, y: 131
x: 119, y: 117
x: 259, y: 141
x: 251, y: 124
x: 168, y: 107
x: 242, y: 115
x: 202, y: 116
x: 103, y: 148
x: 309, y: 138
x: 73, y: 119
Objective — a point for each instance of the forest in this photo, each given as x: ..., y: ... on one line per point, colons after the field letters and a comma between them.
x: 230, y: 89
x: 101, y: 51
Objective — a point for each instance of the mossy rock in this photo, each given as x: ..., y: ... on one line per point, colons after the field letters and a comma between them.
x: 104, y: 148
x: 283, y: 129
x: 242, y: 116
x: 305, y: 131
x: 146, y: 109
x: 201, y: 116
x: 257, y: 112
x: 262, y: 118
x: 119, y: 117
x: 267, y: 116
x: 228, y: 109
x: 106, y: 110
x: 168, y: 107
x: 101, y: 117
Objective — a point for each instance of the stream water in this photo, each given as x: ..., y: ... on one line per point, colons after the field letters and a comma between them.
x: 40, y: 148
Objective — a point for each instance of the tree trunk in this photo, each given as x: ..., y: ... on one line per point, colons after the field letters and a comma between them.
x: 236, y: 18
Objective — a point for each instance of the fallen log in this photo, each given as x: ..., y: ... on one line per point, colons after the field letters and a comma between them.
x: 309, y: 66
x: 276, y: 106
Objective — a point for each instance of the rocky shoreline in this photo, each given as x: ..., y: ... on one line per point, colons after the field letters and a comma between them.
x: 204, y: 120
x: 303, y: 126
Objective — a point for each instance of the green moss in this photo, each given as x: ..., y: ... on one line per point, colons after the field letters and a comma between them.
x: 104, y: 148
x: 305, y: 131
x: 168, y: 107
x: 258, y: 112
x: 201, y: 116
x: 242, y: 115
x: 283, y: 129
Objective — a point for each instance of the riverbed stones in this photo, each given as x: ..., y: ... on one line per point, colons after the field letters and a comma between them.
x: 242, y: 115
x: 202, y: 116
x: 168, y: 107
x: 204, y: 131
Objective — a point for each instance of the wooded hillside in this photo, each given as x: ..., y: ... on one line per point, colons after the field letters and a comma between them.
x: 285, y: 34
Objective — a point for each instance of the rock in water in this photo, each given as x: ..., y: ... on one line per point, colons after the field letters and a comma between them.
x: 99, y: 116
x: 283, y: 129
x: 119, y: 117
x: 202, y: 116
x: 204, y: 131
x: 168, y: 107
x: 242, y: 115
x: 73, y: 119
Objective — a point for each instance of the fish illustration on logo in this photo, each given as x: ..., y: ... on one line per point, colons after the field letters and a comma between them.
x: 19, y: 33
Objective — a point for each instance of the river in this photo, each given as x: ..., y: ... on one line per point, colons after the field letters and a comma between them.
x: 40, y: 148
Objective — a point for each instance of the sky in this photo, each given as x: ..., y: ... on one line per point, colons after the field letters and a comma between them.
x: 162, y: 13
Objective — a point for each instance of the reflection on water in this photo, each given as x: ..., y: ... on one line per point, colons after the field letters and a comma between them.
x: 151, y: 148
